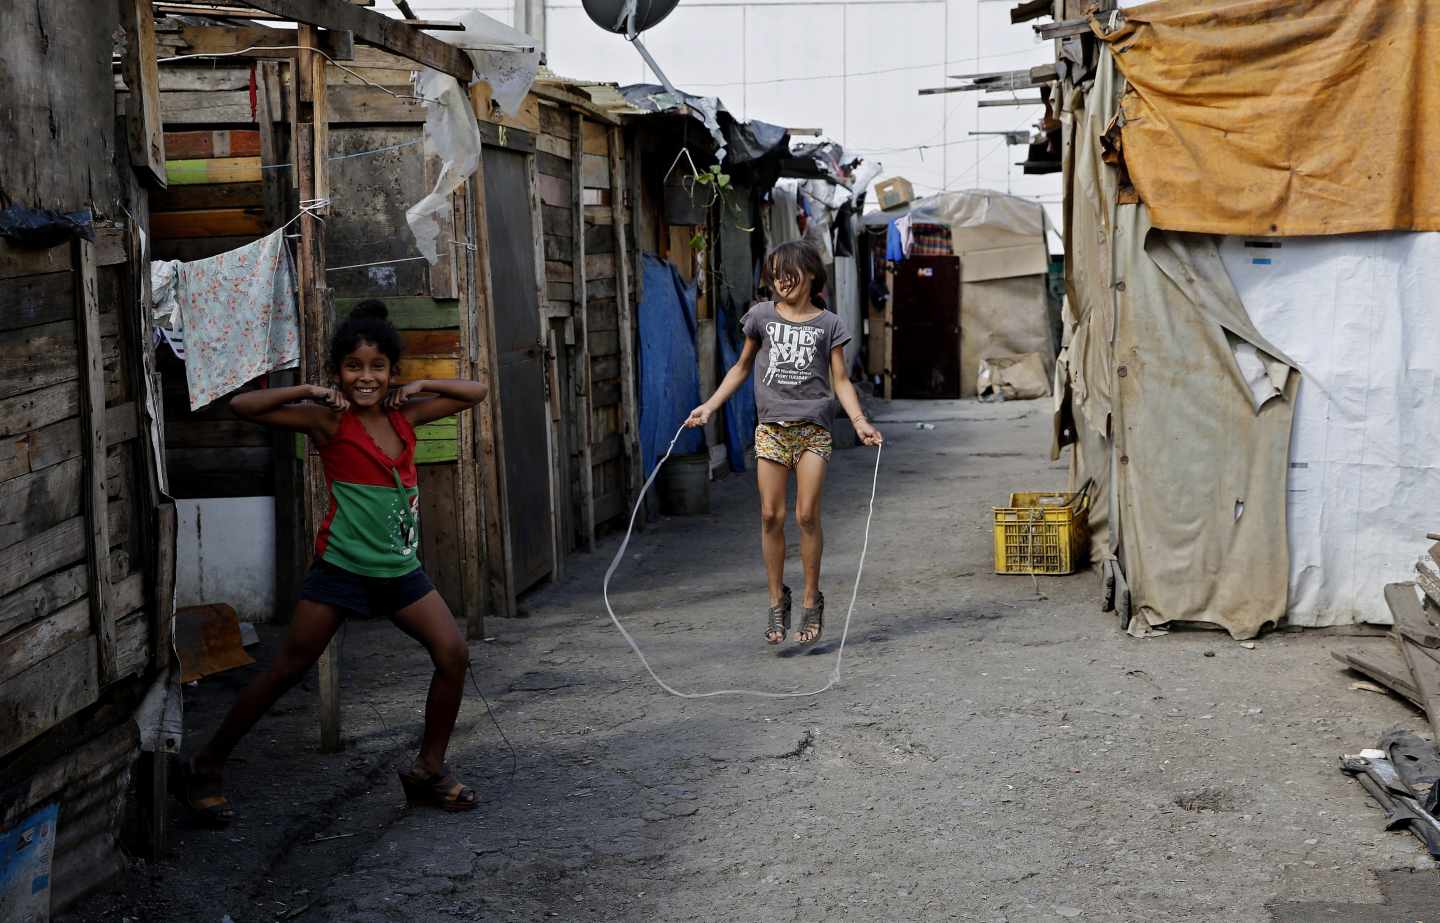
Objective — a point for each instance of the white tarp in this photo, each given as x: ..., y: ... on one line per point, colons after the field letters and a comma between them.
x: 504, y: 58
x: 451, y: 134
x: 1357, y: 314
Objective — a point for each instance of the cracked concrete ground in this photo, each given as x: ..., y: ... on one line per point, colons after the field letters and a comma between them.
x: 988, y: 755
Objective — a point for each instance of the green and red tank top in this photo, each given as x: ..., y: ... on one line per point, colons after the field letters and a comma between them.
x: 373, y: 527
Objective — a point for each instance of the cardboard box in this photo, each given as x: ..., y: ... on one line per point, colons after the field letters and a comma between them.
x: 894, y: 192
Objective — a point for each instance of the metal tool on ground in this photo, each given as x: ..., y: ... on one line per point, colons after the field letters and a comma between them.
x: 208, y: 640
x: 844, y: 634
x: 1400, y: 774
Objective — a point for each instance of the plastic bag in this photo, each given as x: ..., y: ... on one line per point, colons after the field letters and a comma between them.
x: 42, y: 229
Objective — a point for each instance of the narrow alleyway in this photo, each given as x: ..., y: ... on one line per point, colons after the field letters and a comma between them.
x: 989, y: 754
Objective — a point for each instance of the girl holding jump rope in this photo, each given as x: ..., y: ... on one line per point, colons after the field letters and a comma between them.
x: 800, y: 347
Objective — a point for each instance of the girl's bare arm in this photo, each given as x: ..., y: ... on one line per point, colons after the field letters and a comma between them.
x: 728, y: 385
x: 303, y: 408
x: 452, y: 395
x: 845, y: 391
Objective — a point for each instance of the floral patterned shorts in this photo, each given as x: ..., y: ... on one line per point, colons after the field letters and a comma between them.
x: 784, y: 443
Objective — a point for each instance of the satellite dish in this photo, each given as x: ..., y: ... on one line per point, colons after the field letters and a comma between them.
x: 628, y: 17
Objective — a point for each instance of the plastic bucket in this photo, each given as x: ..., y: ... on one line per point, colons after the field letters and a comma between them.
x: 684, y: 485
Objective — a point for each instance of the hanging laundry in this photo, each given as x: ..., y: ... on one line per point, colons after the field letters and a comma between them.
x: 844, y: 230
x: 898, y: 240
x: 785, y: 213
x: 165, y: 315
x: 239, y: 317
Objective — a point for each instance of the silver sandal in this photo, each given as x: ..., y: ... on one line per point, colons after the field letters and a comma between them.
x: 779, y: 619
x: 812, y: 620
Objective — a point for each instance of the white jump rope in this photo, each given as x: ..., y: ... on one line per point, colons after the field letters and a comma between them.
x: 839, y: 653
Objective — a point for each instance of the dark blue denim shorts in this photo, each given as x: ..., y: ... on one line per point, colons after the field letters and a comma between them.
x: 335, y: 586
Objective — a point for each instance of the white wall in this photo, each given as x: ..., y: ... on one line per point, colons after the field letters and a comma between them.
x: 851, y: 67
x: 225, y: 553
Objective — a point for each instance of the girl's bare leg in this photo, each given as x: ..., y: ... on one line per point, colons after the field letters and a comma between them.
x: 773, y: 479
x: 809, y: 480
x: 311, y: 629
x: 429, y: 621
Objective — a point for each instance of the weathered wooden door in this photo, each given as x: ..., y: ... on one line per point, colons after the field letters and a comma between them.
x: 926, y: 350
x: 518, y: 344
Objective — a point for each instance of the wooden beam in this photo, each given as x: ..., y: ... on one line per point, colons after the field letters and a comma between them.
x: 382, y: 31
x: 143, y: 124
x: 490, y: 432
x: 1031, y: 9
x: 315, y: 311
x: 248, y: 14
x: 1024, y: 101
x: 92, y: 417
x: 474, y: 586
x: 631, y: 426
x: 581, y: 314
x: 1063, y: 28
x: 257, y: 41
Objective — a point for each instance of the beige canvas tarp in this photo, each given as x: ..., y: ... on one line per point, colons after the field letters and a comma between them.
x: 1004, y: 258
x: 1285, y: 117
x: 1183, y: 410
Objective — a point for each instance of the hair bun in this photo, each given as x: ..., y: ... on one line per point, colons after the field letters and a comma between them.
x: 370, y: 308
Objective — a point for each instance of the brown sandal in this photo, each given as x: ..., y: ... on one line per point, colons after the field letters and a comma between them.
x: 441, y: 790
x: 204, y: 796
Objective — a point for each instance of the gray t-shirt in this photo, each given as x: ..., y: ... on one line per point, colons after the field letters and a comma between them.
x: 792, y: 370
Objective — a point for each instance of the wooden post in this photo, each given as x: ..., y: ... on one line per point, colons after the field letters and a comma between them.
x: 582, y: 337
x: 631, y: 436
x: 92, y: 421
x: 547, y: 344
x: 308, y: 128
x: 472, y: 553
x: 443, y: 272
x: 489, y: 430
x: 142, y: 75
x: 273, y: 181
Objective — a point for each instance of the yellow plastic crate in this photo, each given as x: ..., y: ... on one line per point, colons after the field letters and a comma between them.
x: 1042, y: 533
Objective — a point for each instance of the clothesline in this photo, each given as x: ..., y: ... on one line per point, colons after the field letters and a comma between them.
x: 378, y: 150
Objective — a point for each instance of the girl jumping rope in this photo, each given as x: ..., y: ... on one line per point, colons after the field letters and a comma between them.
x: 365, y: 552
x: 802, y: 371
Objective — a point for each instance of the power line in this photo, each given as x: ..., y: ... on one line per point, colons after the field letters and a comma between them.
x: 887, y: 70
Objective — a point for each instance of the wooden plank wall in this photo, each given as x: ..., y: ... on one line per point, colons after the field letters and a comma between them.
x: 214, y: 202
x: 555, y: 153
x: 228, y: 187
x: 49, y: 654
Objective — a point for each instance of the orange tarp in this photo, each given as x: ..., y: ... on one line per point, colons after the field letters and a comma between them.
x: 1282, y: 117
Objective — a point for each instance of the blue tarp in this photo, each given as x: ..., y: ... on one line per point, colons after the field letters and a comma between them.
x: 740, y: 413
x: 669, y: 367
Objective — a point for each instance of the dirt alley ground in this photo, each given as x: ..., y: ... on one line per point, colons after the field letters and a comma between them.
x: 988, y: 755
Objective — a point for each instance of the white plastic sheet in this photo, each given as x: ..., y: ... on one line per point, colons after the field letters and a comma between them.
x: 505, y: 58
x: 451, y: 133
x: 1356, y: 313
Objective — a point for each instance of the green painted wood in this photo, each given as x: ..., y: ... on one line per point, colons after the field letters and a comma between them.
x: 412, y: 312
x: 214, y: 170
x: 429, y: 452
